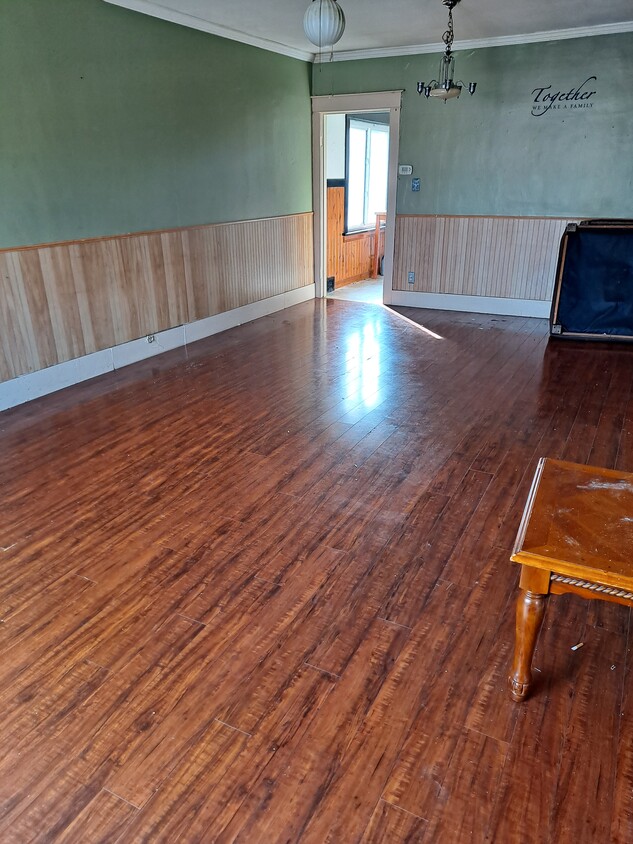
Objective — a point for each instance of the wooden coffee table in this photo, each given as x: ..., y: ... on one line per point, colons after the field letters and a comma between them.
x: 576, y: 536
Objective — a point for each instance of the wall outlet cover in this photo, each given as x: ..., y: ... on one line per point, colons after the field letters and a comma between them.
x: 411, y: 278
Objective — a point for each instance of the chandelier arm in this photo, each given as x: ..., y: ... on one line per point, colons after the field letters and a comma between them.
x: 446, y: 87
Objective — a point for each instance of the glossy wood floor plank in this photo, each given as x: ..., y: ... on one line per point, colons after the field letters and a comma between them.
x: 388, y: 823
x: 259, y: 589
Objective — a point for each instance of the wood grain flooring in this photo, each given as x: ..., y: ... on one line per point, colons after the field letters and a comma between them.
x: 259, y: 590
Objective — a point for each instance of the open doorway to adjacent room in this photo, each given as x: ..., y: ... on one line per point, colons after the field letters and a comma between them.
x: 355, y: 187
x: 356, y: 167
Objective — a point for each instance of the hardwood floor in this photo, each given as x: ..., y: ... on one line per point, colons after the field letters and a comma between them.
x: 258, y: 590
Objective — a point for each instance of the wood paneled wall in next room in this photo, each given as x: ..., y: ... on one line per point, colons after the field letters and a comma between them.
x: 349, y: 257
x: 61, y: 301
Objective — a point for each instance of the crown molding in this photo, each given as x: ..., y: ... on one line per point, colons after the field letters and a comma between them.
x: 478, y: 43
x: 156, y: 10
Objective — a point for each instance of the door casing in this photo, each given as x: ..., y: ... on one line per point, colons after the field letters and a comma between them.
x: 348, y: 104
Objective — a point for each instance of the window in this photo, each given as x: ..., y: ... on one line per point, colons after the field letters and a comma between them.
x: 367, y: 165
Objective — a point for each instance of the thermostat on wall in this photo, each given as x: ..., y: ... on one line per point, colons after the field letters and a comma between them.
x: 405, y: 169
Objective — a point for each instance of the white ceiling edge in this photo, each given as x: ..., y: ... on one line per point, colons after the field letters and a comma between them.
x: 478, y: 43
x: 155, y: 10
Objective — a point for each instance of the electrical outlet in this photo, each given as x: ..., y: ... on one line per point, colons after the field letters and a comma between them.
x: 415, y: 184
x: 150, y: 338
x: 411, y: 278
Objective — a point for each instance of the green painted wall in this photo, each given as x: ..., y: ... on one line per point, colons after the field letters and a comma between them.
x: 112, y: 121
x: 487, y: 154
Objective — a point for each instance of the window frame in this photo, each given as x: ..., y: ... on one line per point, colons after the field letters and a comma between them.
x: 371, y: 124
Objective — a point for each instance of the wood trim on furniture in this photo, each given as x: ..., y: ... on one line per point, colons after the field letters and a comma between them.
x: 571, y: 539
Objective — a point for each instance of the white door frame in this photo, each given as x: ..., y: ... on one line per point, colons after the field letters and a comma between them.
x: 345, y: 104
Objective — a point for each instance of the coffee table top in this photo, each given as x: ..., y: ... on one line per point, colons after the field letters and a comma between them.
x: 578, y: 521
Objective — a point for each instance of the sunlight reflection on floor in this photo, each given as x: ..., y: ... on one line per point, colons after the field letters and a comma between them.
x: 362, y: 365
x: 369, y: 290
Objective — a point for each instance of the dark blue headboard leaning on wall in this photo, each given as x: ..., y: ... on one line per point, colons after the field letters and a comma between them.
x: 593, y: 293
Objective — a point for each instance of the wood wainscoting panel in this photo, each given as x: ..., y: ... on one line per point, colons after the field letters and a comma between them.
x: 357, y: 257
x: 61, y: 301
x: 512, y: 257
x: 335, y: 229
x: 231, y: 266
x: 349, y: 257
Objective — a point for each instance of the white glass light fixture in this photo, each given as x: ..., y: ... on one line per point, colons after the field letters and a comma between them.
x: 445, y: 87
x: 324, y: 23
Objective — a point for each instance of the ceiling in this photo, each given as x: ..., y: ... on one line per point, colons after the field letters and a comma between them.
x: 379, y: 28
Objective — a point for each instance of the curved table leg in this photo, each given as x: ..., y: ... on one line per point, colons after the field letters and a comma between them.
x: 529, y: 618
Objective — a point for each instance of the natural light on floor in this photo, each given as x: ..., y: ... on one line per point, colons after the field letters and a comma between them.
x: 363, y: 366
x: 414, y: 324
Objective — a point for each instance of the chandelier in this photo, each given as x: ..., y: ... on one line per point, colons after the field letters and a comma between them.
x: 445, y: 86
x: 324, y: 23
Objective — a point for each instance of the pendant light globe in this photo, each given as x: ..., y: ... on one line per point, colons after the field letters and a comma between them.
x: 324, y: 23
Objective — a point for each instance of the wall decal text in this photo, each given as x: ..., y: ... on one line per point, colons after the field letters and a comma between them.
x: 545, y: 99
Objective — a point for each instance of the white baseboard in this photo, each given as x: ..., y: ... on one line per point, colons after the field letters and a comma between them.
x: 53, y: 378
x: 36, y: 384
x: 126, y: 353
x: 472, y: 304
x: 230, y: 319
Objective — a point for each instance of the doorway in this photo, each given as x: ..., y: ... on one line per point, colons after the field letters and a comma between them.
x: 355, y: 149
x: 356, y: 171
